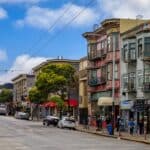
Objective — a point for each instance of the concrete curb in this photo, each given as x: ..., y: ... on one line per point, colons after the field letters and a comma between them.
x: 111, y: 136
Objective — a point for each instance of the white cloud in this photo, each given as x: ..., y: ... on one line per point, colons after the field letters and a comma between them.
x: 3, y: 55
x: 45, y: 17
x: 19, y: 1
x: 3, y: 13
x: 125, y: 8
x: 22, y: 64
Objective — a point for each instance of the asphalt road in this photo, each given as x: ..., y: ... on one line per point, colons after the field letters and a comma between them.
x: 27, y: 135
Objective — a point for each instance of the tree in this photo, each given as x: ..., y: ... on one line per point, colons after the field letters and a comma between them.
x: 6, y: 95
x: 35, y: 95
x: 59, y: 102
x: 37, y: 98
x: 55, y: 78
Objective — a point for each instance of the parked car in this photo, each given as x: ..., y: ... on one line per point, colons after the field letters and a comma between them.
x: 3, y: 109
x: 50, y: 120
x: 67, y: 122
x: 22, y: 115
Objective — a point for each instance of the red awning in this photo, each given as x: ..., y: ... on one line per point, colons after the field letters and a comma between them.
x: 49, y: 104
x: 73, y: 103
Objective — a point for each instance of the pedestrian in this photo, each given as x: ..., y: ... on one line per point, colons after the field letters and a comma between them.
x: 131, y: 126
x: 99, y: 123
x: 141, y: 127
x: 118, y: 123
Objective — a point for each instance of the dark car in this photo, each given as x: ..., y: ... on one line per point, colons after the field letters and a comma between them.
x: 50, y: 120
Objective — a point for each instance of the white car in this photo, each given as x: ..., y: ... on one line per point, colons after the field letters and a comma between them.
x: 3, y: 109
x: 67, y: 122
x: 22, y: 115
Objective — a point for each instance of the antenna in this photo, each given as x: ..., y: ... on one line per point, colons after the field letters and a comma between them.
x: 95, y: 27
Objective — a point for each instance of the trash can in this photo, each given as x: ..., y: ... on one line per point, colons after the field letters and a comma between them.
x: 110, y: 129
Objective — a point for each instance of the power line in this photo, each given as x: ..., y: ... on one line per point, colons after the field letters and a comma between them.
x: 66, y: 25
x: 51, y: 27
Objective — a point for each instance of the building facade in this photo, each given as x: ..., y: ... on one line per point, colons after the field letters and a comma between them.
x: 104, y: 65
x: 135, y: 74
x: 72, y: 93
x: 83, y: 94
x: 21, y: 86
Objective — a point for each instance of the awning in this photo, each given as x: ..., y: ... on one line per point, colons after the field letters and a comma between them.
x: 72, y: 102
x: 105, y: 101
x: 49, y: 104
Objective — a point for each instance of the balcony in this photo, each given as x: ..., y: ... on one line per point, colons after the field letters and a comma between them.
x: 94, y: 55
x: 109, y: 57
x: 146, y: 87
x: 97, y: 81
x: 94, y: 82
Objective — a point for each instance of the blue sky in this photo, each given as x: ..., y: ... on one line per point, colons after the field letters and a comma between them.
x: 23, y: 22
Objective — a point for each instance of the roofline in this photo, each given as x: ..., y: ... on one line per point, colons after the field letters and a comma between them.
x: 135, y: 28
x: 54, y: 60
x: 21, y: 75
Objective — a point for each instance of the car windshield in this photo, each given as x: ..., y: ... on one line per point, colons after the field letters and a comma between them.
x: 69, y: 119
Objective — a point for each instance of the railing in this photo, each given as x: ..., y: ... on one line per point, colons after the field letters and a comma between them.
x: 94, y: 55
x: 97, y: 81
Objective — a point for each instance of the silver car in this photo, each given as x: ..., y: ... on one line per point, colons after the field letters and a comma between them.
x: 67, y: 122
x: 22, y: 115
x: 3, y: 109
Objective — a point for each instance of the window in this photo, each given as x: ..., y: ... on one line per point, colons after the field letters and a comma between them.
x: 139, y: 79
x: 109, y: 71
x: 109, y: 43
x: 147, y: 46
x: 125, y: 81
x: 125, y: 52
x: 140, y: 47
x: 116, y: 71
x: 132, y: 81
x: 116, y: 41
x: 103, y: 74
x: 132, y: 51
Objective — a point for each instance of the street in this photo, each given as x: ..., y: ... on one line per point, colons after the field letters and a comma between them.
x: 27, y: 135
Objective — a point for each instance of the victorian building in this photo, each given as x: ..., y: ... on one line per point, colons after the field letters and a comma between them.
x: 103, y: 46
x: 135, y: 74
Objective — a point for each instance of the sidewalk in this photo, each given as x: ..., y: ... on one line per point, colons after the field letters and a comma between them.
x: 123, y: 135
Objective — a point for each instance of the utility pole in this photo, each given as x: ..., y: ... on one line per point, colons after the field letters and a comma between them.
x: 113, y: 85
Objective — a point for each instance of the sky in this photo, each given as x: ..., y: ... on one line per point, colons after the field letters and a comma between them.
x: 32, y: 31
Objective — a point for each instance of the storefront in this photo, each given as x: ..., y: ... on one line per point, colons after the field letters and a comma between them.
x: 126, y: 111
x: 108, y: 109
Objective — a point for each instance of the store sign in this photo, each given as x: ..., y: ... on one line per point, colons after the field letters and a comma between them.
x: 139, y: 105
x: 126, y: 104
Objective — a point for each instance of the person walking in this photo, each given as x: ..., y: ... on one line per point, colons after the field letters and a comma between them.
x: 131, y: 126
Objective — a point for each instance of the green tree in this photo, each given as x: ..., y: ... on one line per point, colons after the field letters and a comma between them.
x: 35, y: 95
x: 6, y: 95
x: 59, y: 102
x: 37, y: 98
x: 55, y: 78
